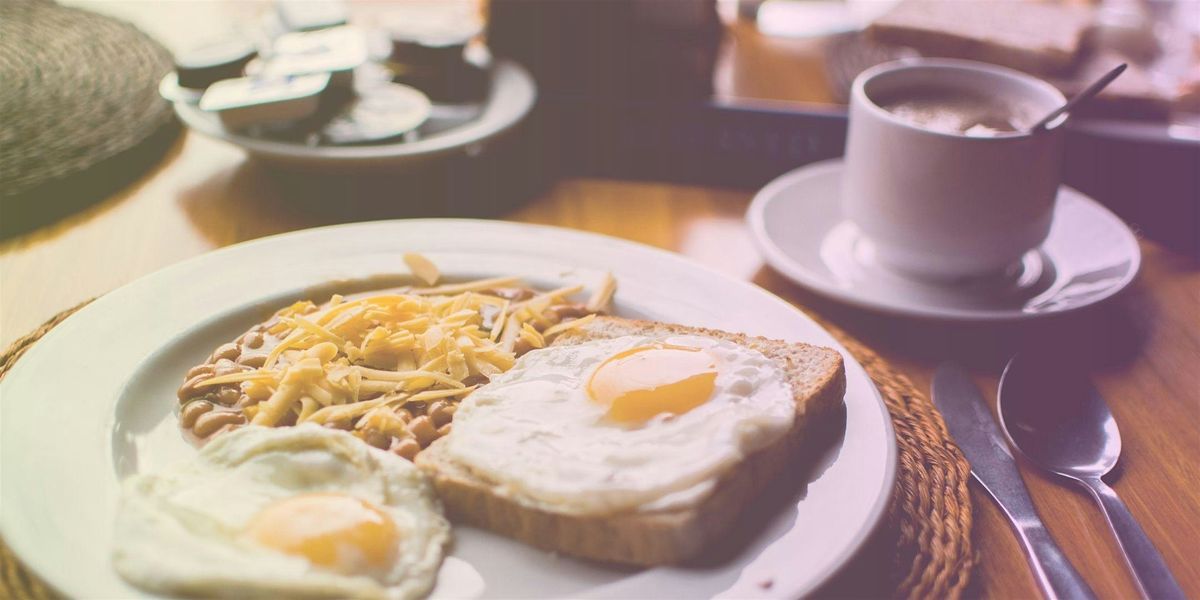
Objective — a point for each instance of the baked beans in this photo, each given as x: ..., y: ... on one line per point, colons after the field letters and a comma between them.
x: 254, y: 361
x: 253, y: 340
x: 228, y: 351
x: 423, y: 430
x: 191, y: 411
x: 406, y: 448
x: 441, y: 412
x: 207, y: 410
x: 210, y: 422
x: 204, y: 369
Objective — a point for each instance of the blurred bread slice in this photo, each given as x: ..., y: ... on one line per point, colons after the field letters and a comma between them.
x: 1036, y: 37
x: 817, y: 378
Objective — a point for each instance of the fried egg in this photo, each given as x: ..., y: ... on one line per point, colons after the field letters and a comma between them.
x: 629, y: 423
x: 296, y: 512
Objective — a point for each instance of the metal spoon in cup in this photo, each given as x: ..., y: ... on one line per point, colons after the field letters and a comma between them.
x: 1083, y: 96
x: 1055, y: 417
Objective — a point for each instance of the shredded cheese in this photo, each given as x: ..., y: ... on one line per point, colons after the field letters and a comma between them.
x: 472, y: 286
x: 602, y: 297
x: 422, y: 268
x: 554, y: 330
x: 531, y: 336
x: 360, y: 361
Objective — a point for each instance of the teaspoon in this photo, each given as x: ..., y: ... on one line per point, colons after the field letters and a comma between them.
x: 1054, y: 416
x: 1079, y: 98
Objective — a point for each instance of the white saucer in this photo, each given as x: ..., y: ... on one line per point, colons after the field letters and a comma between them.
x: 797, y: 224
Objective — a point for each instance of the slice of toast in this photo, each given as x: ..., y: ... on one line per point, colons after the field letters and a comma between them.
x: 1035, y: 37
x: 817, y: 378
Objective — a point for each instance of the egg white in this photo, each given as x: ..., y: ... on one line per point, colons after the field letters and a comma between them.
x: 535, y: 433
x: 177, y: 532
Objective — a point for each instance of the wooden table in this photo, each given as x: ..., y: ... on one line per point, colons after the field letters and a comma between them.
x: 1145, y: 345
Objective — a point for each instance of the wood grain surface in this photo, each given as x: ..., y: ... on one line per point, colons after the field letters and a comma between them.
x: 1143, y: 348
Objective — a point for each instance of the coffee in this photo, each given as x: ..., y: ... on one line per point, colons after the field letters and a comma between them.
x: 956, y: 111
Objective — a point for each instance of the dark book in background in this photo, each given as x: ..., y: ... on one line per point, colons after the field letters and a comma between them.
x: 697, y: 143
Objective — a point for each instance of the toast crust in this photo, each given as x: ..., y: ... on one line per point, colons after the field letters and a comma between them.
x: 816, y: 376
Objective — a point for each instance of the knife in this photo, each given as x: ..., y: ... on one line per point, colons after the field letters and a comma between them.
x: 974, y: 429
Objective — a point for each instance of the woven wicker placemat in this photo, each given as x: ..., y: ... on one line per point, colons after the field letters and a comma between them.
x: 79, y: 105
x: 926, y: 534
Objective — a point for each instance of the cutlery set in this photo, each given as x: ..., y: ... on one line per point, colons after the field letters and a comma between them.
x: 1060, y: 423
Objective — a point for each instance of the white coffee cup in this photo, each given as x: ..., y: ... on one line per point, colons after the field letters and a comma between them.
x: 946, y: 205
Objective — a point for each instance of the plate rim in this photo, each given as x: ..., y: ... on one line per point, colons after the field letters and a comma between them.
x: 780, y: 261
x: 874, y: 516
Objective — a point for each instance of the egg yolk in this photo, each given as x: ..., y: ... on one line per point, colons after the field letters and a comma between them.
x: 334, y: 531
x: 642, y: 382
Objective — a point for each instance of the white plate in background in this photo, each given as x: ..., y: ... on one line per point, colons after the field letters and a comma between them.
x: 511, y: 96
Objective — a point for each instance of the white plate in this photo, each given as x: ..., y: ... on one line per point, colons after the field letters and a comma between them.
x: 92, y: 403
x: 796, y: 222
x: 512, y: 95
